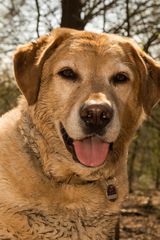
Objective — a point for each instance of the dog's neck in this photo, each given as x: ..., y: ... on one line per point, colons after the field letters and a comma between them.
x: 30, y: 134
x: 32, y: 139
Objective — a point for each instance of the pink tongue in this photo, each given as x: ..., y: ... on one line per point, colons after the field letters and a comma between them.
x: 91, y: 152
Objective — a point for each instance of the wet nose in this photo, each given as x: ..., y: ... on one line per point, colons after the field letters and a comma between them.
x: 96, y: 116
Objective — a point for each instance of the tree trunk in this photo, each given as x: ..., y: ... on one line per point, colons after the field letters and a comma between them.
x: 71, y: 14
x: 157, y: 182
x: 117, y: 230
x: 131, y: 166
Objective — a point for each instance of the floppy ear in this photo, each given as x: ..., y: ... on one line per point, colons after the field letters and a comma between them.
x: 151, y: 85
x: 29, y: 60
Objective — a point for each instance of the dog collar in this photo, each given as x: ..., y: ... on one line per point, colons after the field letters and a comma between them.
x: 29, y: 134
x: 109, y: 185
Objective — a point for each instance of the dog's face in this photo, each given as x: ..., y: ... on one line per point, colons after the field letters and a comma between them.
x: 91, y: 88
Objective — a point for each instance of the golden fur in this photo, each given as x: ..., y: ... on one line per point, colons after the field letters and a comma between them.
x: 45, y: 194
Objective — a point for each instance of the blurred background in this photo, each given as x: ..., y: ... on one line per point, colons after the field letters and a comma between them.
x: 24, y: 20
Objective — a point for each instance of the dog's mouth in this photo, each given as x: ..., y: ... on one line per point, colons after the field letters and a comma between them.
x: 90, y: 151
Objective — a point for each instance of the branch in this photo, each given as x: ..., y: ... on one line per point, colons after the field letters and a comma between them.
x: 153, y: 37
x: 128, y: 18
x: 141, y: 7
x: 104, y: 16
x: 95, y: 11
x: 38, y: 17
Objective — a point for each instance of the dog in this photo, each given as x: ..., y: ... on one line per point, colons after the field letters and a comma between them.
x: 63, y: 149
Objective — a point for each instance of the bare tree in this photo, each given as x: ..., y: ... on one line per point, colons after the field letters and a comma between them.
x: 77, y: 13
x: 71, y: 14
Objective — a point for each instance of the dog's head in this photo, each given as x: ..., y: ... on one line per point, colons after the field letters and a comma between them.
x: 92, y: 88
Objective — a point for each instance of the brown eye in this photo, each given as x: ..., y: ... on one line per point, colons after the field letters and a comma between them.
x: 68, y: 73
x: 120, y: 78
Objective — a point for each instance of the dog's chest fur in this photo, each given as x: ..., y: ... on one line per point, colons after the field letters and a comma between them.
x: 61, y: 224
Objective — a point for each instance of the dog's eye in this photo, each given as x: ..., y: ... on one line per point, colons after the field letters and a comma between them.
x: 120, y: 78
x: 68, y: 73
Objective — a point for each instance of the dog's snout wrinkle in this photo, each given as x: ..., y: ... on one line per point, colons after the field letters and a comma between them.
x: 96, y: 116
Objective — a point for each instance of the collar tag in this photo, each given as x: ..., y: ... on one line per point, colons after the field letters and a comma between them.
x: 111, y: 191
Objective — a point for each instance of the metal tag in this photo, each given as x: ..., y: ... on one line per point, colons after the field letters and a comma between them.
x: 111, y: 192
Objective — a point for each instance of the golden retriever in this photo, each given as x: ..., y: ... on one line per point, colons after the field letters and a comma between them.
x: 63, y: 150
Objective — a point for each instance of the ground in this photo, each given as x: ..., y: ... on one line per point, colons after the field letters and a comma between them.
x: 140, y: 217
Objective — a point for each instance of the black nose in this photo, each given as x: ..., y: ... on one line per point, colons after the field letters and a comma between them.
x: 96, y: 116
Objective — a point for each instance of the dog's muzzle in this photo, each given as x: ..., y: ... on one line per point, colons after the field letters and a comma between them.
x: 91, y: 151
